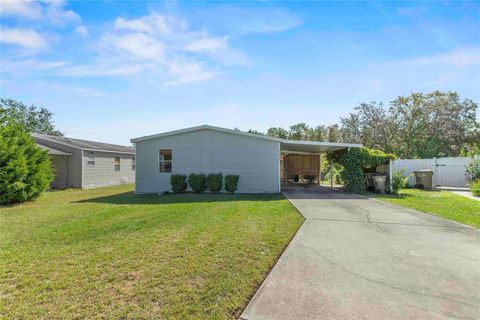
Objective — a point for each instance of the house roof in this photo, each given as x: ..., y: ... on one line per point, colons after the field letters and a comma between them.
x: 203, y: 127
x: 285, y: 144
x: 84, y: 144
x: 52, y: 151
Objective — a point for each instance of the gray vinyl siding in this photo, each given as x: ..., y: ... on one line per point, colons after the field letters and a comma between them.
x: 74, y: 162
x: 103, y: 172
x: 255, y: 160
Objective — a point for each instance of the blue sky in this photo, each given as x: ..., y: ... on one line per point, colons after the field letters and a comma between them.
x: 111, y: 71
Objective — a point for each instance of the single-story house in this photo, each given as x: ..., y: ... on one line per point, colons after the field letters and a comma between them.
x: 262, y: 162
x: 87, y: 164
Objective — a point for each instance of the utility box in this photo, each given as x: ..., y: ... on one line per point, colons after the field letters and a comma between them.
x: 424, y: 179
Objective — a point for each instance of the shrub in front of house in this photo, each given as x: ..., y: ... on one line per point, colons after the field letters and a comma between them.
x: 214, y: 182
x: 231, y: 182
x: 178, y: 183
x: 25, y: 169
x: 197, y: 182
x: 475, y: 187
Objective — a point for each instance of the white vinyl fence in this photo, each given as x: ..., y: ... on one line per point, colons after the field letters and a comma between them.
x: 447, y: 172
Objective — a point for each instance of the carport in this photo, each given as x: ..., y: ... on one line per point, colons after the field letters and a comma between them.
x: 300, y: 159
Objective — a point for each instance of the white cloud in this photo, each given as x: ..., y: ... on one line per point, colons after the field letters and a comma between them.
x: 50, y: 11
x: 82, y: 30
x: 27, y: 9
x: 207, y: 44
x: 24, y: 37
x: 162, y: 46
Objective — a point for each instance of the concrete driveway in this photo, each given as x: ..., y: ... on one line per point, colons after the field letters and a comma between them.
x: 358, y: 258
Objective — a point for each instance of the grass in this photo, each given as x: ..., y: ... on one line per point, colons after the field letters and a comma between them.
x: 106, y: 253
x: 444, y: 204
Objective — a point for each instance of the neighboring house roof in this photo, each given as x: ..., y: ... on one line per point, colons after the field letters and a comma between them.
x: 286, y: 145
x: 52, y: 151
x: 85, y: 144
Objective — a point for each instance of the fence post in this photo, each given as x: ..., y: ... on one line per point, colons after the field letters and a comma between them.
x: 390, y: 173
x: 434, y: 182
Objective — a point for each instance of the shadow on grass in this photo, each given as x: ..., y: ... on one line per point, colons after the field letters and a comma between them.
x: 129, y: 198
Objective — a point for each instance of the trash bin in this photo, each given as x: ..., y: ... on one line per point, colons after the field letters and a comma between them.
x: 379, y: 181
x: 424, y: 179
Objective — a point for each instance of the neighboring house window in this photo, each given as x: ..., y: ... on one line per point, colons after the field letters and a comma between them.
x: 117, y: 163
x: 91, y: 158
x: 165, y: 158
x: 133, y: 163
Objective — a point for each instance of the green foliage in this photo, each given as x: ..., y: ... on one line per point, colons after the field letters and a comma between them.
x: 399, y: 181
x: 473, y: 170
x: 197, y: 182
x: 231, y: 182
x: 355, y: 161
x: 471, y: 151
x: 178, y: 182
x: 475, y: 187
x: 25, y: 169
x: 31, y: 118
x: 435, y: 124
x: 214, y: 182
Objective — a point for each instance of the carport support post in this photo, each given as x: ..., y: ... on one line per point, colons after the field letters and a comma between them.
x: 331, y: 169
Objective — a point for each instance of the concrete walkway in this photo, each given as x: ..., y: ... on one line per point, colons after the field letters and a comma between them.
x: 358, y: 258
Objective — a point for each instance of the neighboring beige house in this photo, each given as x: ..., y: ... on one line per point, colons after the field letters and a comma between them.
x: 257, y: 159
x: 87, y: 164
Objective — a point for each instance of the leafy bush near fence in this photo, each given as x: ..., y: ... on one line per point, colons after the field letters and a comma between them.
x: 197, y: 182
x: 214, y: 182
x: 231, y: 182
x: 399, y: 181
x: 25, y: 169
x: 178, y: 182
x: 473, y: 170
x: 355, y: 161
x: 475, y: 187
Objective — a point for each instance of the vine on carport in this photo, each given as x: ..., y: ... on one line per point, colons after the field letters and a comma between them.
x: 356, y: 161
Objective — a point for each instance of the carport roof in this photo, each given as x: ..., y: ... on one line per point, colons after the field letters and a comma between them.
x: 300, y: 146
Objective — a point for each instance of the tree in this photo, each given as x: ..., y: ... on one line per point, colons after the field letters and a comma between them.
x: 277, y: 133
x: 255, y: 132
x: 433, y: 125
x: 416, y: 126
x: 298, y: 131
x: 25, y: 169
x: 31, y: 118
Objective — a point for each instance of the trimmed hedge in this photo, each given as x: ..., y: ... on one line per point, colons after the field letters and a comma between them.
x: 355, y: 161
x: 178, y: 183
x: 214, y: 182
x: 231, y: 182
x: 25, y: 169
x: 197, y: 182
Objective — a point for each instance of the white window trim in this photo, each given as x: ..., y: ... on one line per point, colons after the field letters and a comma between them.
x: 115, y: 163
x: 171, y: 161
x: 134, y: 163
x: 89, y: 162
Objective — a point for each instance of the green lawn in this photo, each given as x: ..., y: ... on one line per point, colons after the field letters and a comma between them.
x: 106, y: 253
x: 440, y: 203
